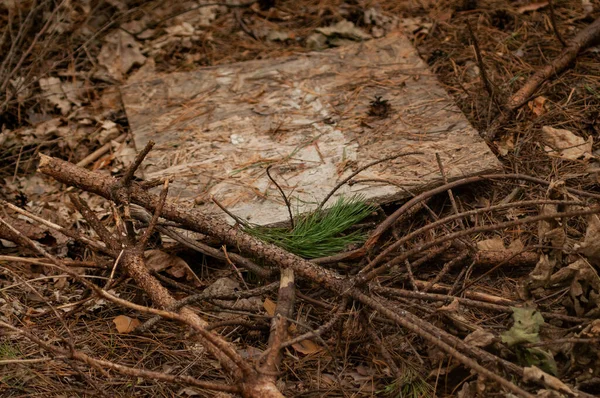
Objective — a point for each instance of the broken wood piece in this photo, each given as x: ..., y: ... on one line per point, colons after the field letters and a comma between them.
x: 311, y: 118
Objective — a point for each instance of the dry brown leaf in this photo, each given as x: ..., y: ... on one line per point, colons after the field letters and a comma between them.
x: 157, y: 260
x: 480, y: 338
x: 506, y: 144
x: 590, y: 247
x: 537, y: 375
x: 532, y: 7
x: 126, y: 324
x: 493, y: 244
x: 516, y: 246
x: 270, y: 306
x: 567, y: 144
x: 452, y: 307
x: 119, y: 54
x: 307, y: 347
x: 54, y: 94
x: 538, y: 105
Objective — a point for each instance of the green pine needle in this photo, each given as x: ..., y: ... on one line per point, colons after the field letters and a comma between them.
x: 319, y: 234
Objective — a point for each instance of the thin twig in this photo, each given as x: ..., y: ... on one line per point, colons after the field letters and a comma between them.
x: 360, y: 169
x: 482, y: 69
x: 283, y: 195
x: 587, y: 37
x: 141, y: 245
x: 391, y: 220
x: 554, y: 24
x: 126, y: 370
x: 230, y: 214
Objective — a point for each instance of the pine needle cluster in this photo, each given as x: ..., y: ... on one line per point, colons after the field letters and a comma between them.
x: 319, y: 233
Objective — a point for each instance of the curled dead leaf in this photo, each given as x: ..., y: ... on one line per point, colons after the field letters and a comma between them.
x: 307, y: 347
x: 566, y: 144
x: 270, y: 306
x: 125, y: 324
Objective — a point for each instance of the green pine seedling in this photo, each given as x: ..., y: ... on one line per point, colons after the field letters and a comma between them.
x: 320, y: 233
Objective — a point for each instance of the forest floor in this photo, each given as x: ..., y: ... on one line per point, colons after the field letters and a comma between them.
x: 518, y: 286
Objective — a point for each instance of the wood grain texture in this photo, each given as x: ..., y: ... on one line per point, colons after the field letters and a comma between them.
x: 218, y: 128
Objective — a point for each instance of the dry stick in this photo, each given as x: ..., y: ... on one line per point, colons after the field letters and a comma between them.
x: 350, y: 255
x: 435, y: 339
x: 364, y: 277
x: 243, y: 26
x: 238, y: 322
x: 126, y: 370
x: 230, y: 214
x: 69, y: 263
x: 237, y: 271
x: 554, y: 25
x: 87, y: 241
x: 587, y: 37
x: 207, y: 296
x: 360, y: 169
x: 486, y: 82
x: 143, y: 215
x: 216, y: 345
x: 192, y: 219
x: 384, y: 352
x: 393, y: 292
x: 474, y: 295
x: 451, y: 340
x: 495, y: 267
x: 447, y: 267
x: 133, y: 261
x: 134, y: 264
x: 107, y: 237
x: 213, y: 340
x: 381, y: 256
x: 411, y: 276
x: 427, y: 257
x: 321, y: 329
x: 283, y: 195
x: 28, y: 51
x: 463, y: 243
x: 385, y: 225
x: 284, y: 310
x: 141, y: 245
x: 449, y: 191
x: 203, y: 223
x: 100, y: 151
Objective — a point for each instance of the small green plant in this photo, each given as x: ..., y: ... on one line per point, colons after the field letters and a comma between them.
x: 320, y: 233
x: 526, y: 329
x: 9, y: 351
x: 410, y: 385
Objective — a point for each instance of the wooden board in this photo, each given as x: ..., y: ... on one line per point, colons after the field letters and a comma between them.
x: 218, y: 128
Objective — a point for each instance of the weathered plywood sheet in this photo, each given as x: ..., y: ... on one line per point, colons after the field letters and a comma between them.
x: 218, y: 128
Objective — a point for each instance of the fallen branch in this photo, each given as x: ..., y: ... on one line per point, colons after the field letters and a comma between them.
x: 584, y: 39
x: 197, y: 221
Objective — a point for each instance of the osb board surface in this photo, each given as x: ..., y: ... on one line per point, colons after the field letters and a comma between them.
x: 218, y: 128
